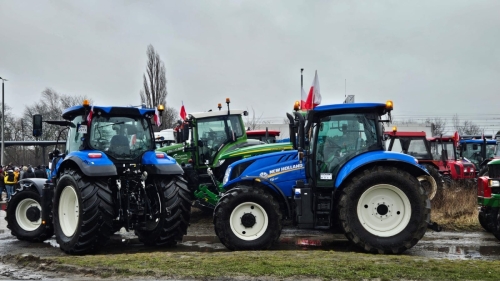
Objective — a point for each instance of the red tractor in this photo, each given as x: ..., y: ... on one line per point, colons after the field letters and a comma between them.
x: 437, y: 154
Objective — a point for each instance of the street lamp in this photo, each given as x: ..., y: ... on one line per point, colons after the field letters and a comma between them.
x: 3, y: 120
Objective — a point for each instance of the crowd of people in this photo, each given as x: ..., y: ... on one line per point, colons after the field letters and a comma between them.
x: 13, y: 174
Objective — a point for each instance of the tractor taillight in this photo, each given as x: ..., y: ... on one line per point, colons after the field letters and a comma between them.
x: 483, y: 190
x: 95, y: 155
x: 160, y: 155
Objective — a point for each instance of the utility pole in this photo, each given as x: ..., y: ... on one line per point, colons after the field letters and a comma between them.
x: 3, y: 121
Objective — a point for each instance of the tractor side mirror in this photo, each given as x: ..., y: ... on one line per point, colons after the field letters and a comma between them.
x: 37, y: 125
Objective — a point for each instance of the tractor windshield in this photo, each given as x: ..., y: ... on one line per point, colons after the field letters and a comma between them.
x: 214, y: 133
x: 341, y: 137
x: 437, y: 147
x: 121, y: 137
x: 473, y: 153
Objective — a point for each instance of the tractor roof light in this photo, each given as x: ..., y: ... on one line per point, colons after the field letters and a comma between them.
x: 228, y: 100
x: 389, y: 105
x: 296, y: 106
x: 394, y: 129
x: 86, y: 103
x: 161, y: 107
x: 219, y: 105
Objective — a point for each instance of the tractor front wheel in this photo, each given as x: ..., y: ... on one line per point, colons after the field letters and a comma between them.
x: 384, y: 210
x: 247, y: 218
x: 83, y: 213
x: 24, y: 217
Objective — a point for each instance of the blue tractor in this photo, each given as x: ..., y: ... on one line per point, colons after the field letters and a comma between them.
x: 338, y: 177
x: 108, y: 177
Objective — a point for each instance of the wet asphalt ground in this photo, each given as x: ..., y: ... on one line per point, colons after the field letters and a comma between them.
x: 201, y: 238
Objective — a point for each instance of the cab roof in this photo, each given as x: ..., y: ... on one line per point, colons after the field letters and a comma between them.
x: 379, y: 107
x: 405, y: 134
x: 72, y: 112
x: 199, y: 115
x: 478, y: 141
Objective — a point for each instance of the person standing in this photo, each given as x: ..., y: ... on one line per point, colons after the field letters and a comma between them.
x: 39, y: 173
x: 10, y: 180
x: 28, y: 173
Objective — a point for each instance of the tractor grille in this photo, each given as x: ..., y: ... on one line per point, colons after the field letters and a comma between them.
x: 494, y: 171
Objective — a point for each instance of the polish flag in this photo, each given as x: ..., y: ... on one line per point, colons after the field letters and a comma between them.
x: 303, y: 99
x: 157, y: 117
x: 89, y: 117
x: 183, y: 112
x: 314, y: 96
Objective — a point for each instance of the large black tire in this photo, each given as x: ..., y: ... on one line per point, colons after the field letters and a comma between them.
x: 24, y: 217
x: 494, y: 223
x: 484, y: 217
x: 170, y: 222
x: 247, y: 218
x: 436, y: 175
x: 83, y: 213
x: 384, y: 210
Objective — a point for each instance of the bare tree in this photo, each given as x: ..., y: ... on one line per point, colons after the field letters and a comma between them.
x: 438, y: 126
x: 154, y: 90
x: 253, y: 123
x: 466, y: 128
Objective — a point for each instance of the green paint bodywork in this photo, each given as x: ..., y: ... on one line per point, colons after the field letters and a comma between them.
x: 494, y: 201
x: 249, y: 151
x: 494, y: 162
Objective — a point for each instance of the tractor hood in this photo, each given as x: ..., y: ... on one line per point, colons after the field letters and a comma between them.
x: 176, y: 151
x: 245, y: 152
x: 281, y: 168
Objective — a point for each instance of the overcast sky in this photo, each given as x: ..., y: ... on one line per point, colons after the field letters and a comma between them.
x: 432, y: 58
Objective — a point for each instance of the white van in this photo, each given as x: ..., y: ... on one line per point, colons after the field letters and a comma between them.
x: 164, y: 138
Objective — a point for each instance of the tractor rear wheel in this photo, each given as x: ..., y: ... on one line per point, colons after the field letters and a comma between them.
x: 437, y: 177
x: 384, y: 210
x: 168, y: 214
x: 83, y: 213
x: 247, y: 218
x: 24, y: 217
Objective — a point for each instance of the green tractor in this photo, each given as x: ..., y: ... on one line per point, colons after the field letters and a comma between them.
x: 488, y: 198
x: 207, y: 143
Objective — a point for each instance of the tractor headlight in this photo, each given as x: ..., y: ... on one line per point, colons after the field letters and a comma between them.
x: 494, y: 183
x: 226, y: 176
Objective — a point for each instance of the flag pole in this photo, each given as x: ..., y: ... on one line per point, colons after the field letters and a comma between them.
x: 301, y: 82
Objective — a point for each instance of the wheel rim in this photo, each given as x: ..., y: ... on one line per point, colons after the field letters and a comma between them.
x: 384, y: 210
x: 249, y: 221
x: 28, y: 214
x: 68, y: 211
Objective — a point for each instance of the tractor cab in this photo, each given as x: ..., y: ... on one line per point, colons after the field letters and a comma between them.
x: 412, y: 143
x: 478, y: 151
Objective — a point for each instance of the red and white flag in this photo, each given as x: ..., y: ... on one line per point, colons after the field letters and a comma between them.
x: 314, y: 96
x: 157, y: 117
x: 183, y: 112
x: 89, y: 117
x: 303, y: 99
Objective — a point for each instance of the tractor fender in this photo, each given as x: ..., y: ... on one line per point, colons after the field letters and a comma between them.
x: 92, y: 167
x: 399, y: 160
x: 32, y: 184
x: 270, y: 186
x: 159, y: 163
